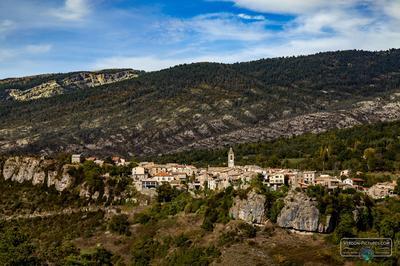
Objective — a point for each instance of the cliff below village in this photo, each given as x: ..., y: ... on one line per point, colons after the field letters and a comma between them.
x: 63, y: 177
x: 201, y: 105
x: 299, y: 212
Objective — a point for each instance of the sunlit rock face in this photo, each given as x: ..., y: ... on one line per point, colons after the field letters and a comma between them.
x: 251, y: 209
x: 34, y: 170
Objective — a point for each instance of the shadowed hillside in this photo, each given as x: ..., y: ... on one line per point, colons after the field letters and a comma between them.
x: 203, y: 105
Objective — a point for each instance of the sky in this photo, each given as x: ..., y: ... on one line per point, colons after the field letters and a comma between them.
x: 51, y: 36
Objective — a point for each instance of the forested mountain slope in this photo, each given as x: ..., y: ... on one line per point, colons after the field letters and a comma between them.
x: 206, y: 105
x: 366, y: 148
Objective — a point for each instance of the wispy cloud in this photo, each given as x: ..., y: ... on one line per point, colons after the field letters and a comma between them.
x: 24, y: 51
x: 250, y: 17
x: 6, y: 26
x: 72, y: 10
x: 290, y: 6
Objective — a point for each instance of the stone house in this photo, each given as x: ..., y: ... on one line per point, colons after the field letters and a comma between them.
x: 330, y: 182
x: 139, y: 173
x: 382, y: 190
x: 348, y: 181
x: 76, y: 158
x: 309, y: 177
x: 164, y: 177
x: 277, y: 179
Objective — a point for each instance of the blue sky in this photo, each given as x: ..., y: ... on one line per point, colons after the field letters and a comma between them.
x: 46, y: 36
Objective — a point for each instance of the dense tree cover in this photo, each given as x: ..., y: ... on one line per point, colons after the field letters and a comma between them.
x: 217, y: 208
x: 362, y: 148
x: 42, y: 241
x: 353, y: 214
x: 18, y: 198
x: 185, y: 97
x: 166, y: 193
x: 16, y: 248
x: 120, y: 224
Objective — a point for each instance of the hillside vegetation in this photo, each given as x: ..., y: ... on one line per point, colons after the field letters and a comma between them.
x: 205, y: 105
x: 361, y: 148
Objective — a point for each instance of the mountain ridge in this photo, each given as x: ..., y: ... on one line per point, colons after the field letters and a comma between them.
x: 206, y: 105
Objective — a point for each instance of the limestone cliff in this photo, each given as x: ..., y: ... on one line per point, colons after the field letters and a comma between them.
x: 251, y: 209
x: 301, y: 213
x: 93, y: 79
x: 57, y: 84
x: 45, y: 90
x: 37, y: 171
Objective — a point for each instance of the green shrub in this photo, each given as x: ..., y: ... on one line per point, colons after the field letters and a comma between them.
x: 120, y: 224
x: 146, y: 249
x: 193, y: 256
x: 16, y: 248
x: 247, y: 230
x: 99, y: 256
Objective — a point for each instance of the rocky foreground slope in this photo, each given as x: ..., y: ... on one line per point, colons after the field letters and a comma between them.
x: 198, y: 105
x: 299, y: 213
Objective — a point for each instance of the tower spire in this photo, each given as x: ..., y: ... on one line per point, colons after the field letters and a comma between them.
x: 231, y: 158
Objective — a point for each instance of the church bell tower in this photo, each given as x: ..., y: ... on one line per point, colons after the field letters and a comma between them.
x: 231, y: 158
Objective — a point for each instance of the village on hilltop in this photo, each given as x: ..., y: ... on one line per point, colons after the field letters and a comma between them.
x: 147, y: 176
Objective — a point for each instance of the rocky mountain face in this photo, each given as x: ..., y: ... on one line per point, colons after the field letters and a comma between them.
x: 52, y: 85
x: 200, y: 105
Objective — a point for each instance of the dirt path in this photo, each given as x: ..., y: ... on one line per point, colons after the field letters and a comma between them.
x: 53, y: 213
x: 89, y: 209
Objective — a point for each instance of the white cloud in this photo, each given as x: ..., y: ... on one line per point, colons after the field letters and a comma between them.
x: 289, y: 6
x: 148, y: 63
x: 392, y: 8
x: 72, y: 10
x: 38, y: 48
x: 24, y: 51
x: 6, y: 26
x: 216, y: 27
x: 249, y: 17
x: 333, y: 22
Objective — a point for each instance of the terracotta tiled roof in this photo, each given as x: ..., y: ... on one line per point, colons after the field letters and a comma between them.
x: 163, y: 174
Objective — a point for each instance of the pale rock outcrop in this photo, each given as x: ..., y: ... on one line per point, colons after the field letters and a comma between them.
x: 326, y: 225
x: 44, y: 90
x: 84, y: 191
x: 20, y: 169
x: 300, y: 213
x: 251, y: 210
x: 66, y: 180
x: 39, y: 178
x: 31, y: 169
x: 51, y: 178
x: 60, y: 182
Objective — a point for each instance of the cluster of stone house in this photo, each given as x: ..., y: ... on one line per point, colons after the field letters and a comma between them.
x: 149, y: 175
x: 116, y: 160
x: 382, y: 190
